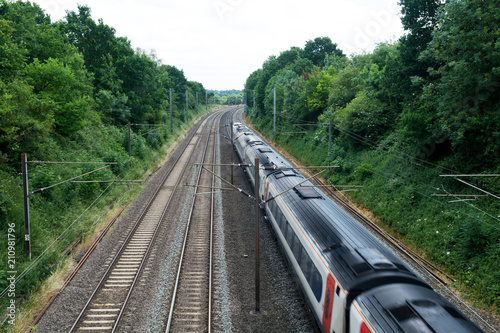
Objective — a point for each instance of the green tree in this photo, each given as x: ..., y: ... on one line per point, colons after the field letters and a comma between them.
x: 363, y: 121
x: 318, y: 49
x: 33, y: 30
x: 196, y: 87
x: 101, y: 49
x: 12, y: 55
x: 269, y: 68
x: 178, y: 83
x: 347, y: 82
x: 250, y: 86
x: 63, y: 89
x: 145, y: 88
x: 317, y: 90
x: 467, y: 84
x: 419, y: 19
x: 381, y: 77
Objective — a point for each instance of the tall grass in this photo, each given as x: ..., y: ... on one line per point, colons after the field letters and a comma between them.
x: 71, y: 211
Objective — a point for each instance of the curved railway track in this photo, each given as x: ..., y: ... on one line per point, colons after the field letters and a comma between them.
x: 190, y: 310
x: 103, y: 310
x: 191, y: 307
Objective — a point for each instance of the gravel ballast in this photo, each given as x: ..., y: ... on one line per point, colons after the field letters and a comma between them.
x: 282, y: 308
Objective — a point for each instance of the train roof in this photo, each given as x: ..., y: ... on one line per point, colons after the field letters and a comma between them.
x: 358, y: 259
x: 412, y: 309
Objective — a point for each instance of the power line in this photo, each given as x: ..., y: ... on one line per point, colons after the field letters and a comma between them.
x: 57, y: 240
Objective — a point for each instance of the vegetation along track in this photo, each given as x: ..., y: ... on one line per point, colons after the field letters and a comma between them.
x: 436, y: 277
x: 104, y: 308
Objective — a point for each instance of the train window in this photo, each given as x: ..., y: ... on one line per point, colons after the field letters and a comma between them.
x: 289, y: 235
x: 283, y: 224
x: 272, y: 205
x: 276, y: 211
x: 296, y: 248
x: 312, y: 274
x: 305, y: 263
x: 316, y: 282
x: 279, y: 218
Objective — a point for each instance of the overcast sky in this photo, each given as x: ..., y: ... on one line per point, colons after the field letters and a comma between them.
x: 221, y: 42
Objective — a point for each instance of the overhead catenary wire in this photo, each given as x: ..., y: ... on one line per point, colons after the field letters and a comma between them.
x: 63, y: 162
x: 229, y: 183
x: 59, y: 238
x: 288, y: 189
x: 369, y: 142
x: 149, y: 132
x: 404, y: 156
x: 477, y: 188
x: 68, y: 180
x: 486, y: 213
x: 431, y: 276
x: 428, y: 185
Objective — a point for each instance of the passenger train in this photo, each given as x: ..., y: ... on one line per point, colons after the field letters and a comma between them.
x: 350, y: 280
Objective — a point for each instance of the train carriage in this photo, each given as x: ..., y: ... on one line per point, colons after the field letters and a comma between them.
x: 335, y: 260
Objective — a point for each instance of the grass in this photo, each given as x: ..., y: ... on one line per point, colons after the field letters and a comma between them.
x: 461, y: 237
x: 93, y: 221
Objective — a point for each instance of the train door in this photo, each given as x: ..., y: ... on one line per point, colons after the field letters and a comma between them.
x: 327, y: 308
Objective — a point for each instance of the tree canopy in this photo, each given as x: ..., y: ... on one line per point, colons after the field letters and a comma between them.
x: 425, y: 105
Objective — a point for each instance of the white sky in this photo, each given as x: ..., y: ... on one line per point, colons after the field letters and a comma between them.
x: 221, y: 42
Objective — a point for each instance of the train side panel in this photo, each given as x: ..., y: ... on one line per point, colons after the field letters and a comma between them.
x: 351, y: 281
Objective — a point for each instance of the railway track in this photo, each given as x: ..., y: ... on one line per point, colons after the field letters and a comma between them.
x: 136, y: 292
x: 191, y: 307
x: 107, y: 303
x: 190, y: 310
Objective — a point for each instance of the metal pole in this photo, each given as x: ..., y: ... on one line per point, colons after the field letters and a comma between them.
x: 329, y: 142
x: 232, y: 154
x: 274, y: 119
x: 129, y: 146
x: 257, y: 236
x: 27, y: 242
x: 187, y: 106
x: 171, y: 122
x: 196, y: 102
x: 206, y: 99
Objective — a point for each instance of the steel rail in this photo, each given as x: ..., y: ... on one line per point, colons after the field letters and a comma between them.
x: 132, y: 232
x: 183, y: 250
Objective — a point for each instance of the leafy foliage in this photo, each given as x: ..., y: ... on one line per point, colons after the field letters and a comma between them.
x: 66, y: 91
x: 468, y: 82
x: 410, y: 111
x: 318, y: 49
